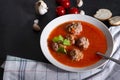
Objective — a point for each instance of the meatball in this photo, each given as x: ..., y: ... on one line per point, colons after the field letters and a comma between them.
x: 71, y: 38
x: 83, y: 43
x: 76, y: 54
x: 74, y: 28
x: 55, y: 46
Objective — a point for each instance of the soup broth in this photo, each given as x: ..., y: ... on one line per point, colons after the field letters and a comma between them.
x: 96, y: 39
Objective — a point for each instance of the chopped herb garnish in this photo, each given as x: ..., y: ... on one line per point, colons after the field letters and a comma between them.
x: 61, y: 50
x: 58, y: 39
x: 66, y: 42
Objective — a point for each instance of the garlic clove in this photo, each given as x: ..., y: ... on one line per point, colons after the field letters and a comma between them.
x: 79, y: 3
x: 36, y: 27
x: 41, y: 7
x: 82, y: 12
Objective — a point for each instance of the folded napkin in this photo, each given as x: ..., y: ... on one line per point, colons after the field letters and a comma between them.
x: 16, y: 68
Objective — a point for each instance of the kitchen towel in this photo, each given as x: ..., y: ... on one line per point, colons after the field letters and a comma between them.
x: 16, y: 68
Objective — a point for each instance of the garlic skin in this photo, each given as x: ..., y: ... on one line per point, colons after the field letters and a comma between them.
x: 36, y: 27
x: 79, y: 3
x: 82, y: 12
x: 41, y: 7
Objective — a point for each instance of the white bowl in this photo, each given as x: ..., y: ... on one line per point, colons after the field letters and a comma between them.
x: 54, y: 23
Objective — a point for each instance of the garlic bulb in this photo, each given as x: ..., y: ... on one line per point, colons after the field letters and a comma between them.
x: 79, y: 3
x: 41, y: 7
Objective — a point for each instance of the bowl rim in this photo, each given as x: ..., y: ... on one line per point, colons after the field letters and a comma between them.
x: 52, y: 60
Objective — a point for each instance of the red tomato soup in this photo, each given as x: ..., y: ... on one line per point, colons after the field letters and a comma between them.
x: 96, y: 39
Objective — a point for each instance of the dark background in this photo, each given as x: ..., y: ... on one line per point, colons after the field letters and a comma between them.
x: 17, y: 36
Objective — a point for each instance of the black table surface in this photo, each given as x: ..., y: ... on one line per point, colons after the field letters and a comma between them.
x: 17, y: 37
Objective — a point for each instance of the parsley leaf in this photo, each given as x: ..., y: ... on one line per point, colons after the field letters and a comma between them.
x: 66, y: 42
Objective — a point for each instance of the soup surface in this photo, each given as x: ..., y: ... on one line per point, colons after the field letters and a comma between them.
x: 97, y: 42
